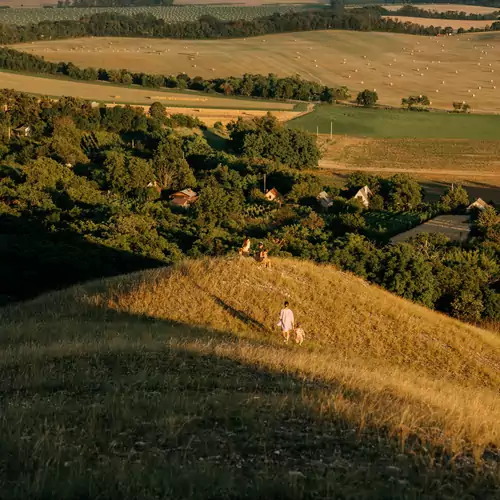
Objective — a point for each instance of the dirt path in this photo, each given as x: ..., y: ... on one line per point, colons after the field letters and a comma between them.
x: 331, y: 165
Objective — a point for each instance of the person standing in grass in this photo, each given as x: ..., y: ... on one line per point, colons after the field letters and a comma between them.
x: 286, y: 322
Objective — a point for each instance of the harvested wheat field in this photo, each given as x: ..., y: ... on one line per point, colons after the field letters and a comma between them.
x: 452, y: 23
x: 439, y: 155
x: 455, y: 68
x: 175, y: 383
x: 445, y: 7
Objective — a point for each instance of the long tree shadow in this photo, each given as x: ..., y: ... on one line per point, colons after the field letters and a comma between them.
x: 34, y: 260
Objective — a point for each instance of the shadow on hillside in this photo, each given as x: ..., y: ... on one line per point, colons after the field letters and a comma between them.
x: 214, y: 140
x: 159, y: 418
x: 34, y: 260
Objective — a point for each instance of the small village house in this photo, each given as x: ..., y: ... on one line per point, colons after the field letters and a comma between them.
x: 479, y: 204
x: 324, y: 200
x: 23, y: 131
x: 272, y: 195
x: 184, y: 198
x: 363, y: 195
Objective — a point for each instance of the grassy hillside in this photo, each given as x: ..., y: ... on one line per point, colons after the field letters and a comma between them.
x: 388, y: 123
x: 174, y: 383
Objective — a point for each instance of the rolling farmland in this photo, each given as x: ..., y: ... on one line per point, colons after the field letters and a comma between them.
x: 452, y: 23
x: 445, y: 7
x: 171, y: 14
x: 447, y: 69
x: 399, y: 124
x: 207, y: 108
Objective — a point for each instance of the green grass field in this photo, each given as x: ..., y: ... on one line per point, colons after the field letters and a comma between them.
x: 388, y: 123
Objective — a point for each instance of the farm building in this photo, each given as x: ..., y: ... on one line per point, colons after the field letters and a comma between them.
x: 455, y: 227
x: 184, y: 198
x: 363, y: 195
x: 23, y: 131
x: 324, y: 200
x: 479, y: 204
x: 272, y: 195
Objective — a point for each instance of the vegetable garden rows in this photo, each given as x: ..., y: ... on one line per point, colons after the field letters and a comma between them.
x: 171, y: 14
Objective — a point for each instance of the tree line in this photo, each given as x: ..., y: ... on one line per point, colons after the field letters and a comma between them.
x: 87, y: 192
x: 270, y: 86
x: 209, y: 27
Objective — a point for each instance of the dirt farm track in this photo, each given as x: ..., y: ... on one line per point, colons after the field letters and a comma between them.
x: 447, y: 69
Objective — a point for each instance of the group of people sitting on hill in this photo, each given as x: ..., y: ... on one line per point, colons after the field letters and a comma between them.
x: 287, y: 319
x: 261, y: 255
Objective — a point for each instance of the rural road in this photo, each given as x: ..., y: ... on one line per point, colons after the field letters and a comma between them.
x: 331, y: 165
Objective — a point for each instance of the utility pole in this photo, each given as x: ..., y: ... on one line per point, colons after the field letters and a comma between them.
x: 317, y: 130
x: 331, y: 129
x: 264, y: 183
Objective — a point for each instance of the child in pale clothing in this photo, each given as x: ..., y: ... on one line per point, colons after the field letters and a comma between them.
x: 300, y: 335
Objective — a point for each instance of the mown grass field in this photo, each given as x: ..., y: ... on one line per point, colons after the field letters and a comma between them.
x: 395, y: 65
x: 398, y: 124
x: 174, y: 383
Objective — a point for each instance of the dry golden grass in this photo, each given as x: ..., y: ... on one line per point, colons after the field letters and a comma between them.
x: 455, y: 156
x: 413, y: 369
x: 424, y: 62
x: 175, y: 383
x: 445, y: 7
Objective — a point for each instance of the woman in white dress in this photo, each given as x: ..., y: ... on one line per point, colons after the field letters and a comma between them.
x: 286, y: 322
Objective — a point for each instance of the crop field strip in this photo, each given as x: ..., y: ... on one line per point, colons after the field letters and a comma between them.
x: 453, y: 23
x: 399, y: 124
x: 171, y: 14
x: 445, y: 7
x: 207, y: 108
x: 447, y: 69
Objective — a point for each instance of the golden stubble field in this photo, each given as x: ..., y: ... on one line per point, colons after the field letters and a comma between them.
x: 445, y: 7
x: 453, y: 23
x: 454, y: 68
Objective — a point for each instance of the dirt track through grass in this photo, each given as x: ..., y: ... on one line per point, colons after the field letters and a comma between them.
x: 372, y: 60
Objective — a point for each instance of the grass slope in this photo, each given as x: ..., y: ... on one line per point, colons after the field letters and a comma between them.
x: 174, y: 383
x: 389, y: 123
